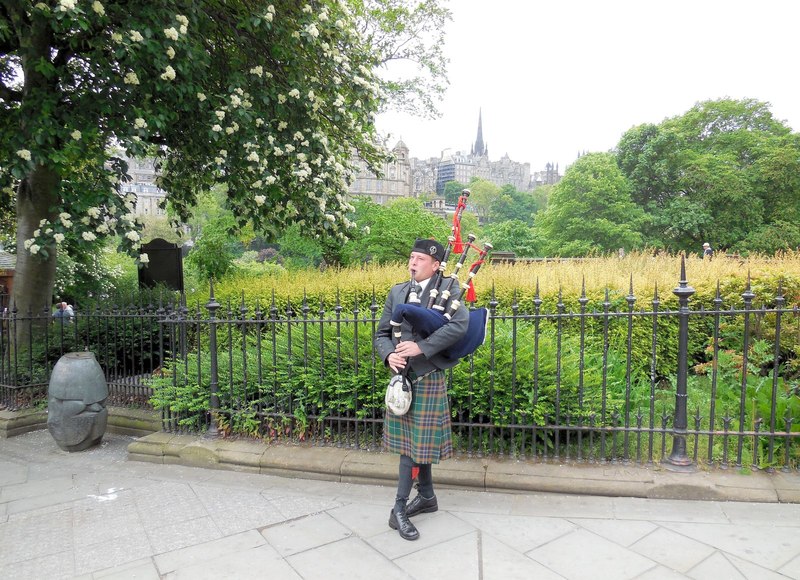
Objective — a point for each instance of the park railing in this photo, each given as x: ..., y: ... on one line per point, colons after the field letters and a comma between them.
x: 588, y: 379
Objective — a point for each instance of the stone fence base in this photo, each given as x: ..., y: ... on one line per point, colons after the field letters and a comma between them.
x: 122, y: 420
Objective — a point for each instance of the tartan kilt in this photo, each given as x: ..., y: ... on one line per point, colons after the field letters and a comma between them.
x: 425, y: 432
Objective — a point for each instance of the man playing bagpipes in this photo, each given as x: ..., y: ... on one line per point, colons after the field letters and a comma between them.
x: 418, y: 344
x: 422, y: 436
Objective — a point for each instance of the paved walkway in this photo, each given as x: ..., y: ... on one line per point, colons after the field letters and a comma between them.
x: 95, y: 514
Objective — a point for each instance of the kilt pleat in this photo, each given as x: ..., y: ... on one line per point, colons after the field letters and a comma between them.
x: 425, y: 432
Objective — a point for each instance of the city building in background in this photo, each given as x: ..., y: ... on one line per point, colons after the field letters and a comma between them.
x: 423, y: 176
x: 395, y: 183
x: 462, y: 167
x: 143, y: 184
x: 549, y: 176
x: 403, y: 175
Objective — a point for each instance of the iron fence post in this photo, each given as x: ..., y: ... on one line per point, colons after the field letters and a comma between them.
x: 678, y: 459
x: 212, y: 306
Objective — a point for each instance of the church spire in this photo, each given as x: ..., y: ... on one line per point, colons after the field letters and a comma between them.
x: 479, y: 149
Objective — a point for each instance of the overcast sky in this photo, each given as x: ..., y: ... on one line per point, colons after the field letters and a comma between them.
x: 560, y: 77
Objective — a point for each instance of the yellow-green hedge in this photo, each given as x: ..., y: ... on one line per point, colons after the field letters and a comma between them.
x: 645, y: 272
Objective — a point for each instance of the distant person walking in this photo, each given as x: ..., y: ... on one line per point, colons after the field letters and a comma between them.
x: 64, y: 312
x: 708, y: 251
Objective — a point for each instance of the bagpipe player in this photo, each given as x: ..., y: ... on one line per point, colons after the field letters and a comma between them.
x: 422, y: 436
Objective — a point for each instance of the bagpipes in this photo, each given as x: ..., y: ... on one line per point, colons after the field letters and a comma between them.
x: 428, y: 319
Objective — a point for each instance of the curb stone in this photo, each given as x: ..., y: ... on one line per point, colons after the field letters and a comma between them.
x: 485, y: 474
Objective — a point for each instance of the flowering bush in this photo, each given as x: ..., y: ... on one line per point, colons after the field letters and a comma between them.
x: 88, y: 276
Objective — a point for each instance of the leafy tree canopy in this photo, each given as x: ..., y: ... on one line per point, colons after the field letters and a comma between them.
x: 408, y: 39
x: 513, y: 236
x: 269, y: 98
x: 725, y: 172
x: 388, y: 231
x: 452, y: 191
x: 483, y: 197
x: 591, y: 209
x: 514, y: 205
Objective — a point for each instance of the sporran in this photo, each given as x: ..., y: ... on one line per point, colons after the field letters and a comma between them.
x: 398, y: 395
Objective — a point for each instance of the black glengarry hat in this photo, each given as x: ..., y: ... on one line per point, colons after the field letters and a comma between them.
x: 430, y: 247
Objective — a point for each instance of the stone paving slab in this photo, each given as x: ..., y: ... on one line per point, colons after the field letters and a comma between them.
x: 96, y: 514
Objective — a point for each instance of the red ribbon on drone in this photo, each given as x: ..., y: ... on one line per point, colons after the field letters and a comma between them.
x: 458, y: 244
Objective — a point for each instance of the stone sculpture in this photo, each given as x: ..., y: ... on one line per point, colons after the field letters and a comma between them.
x: 76, y: 413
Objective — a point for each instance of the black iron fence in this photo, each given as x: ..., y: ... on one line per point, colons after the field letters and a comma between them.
x: 126, y: 340
x: 608, y: 379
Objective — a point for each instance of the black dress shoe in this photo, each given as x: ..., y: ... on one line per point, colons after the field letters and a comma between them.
x: 399, y: 521
x: 420, y: 505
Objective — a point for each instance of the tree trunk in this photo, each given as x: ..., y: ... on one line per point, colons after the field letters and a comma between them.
x: 37, y: 194
x: 35, y: 274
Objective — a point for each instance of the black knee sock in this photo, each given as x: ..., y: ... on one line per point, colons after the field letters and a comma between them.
x: 425, y: 480
x: 404, y: 482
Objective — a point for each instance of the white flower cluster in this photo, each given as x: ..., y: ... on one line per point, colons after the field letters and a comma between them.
x: 97, y: 220
x: 295, y: 155
x: 168, y: 74
x: 184, y: 27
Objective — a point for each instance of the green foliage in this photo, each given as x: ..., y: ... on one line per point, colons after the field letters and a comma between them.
x: 513, y: 236
x: 772, y: 238
x: 92, y: 275
x: 725, y: 172
x: 409, y: 33
x: 7, y: 218
x: 485, y: 195
x: 297, y: 251
x: 388, y: 232
x: 297, y: 372
x: 590, y: 209
x: 327, y: 370
x: 452, y: 191
x: 513, y: 205
x: 727, y: 381
x: 214, y: 251
x: 269, y: 98
x: 251, y: 268
x: 522, y: 381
